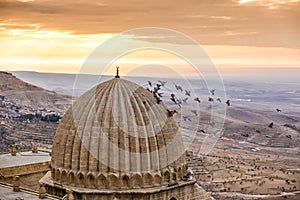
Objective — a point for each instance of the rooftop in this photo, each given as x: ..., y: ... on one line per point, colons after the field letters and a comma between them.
x: 23, y: 158
x: 8, y: 194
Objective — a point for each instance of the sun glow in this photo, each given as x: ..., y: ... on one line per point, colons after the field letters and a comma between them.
x: 269, y: 3
x: 244, y: 1
x: 56, y: 51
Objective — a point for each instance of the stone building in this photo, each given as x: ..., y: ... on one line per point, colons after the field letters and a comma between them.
x: 119, y: 142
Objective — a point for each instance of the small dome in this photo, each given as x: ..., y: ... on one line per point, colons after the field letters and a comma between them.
x: 117, y: 135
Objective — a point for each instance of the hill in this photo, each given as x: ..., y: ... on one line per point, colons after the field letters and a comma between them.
x: 28, y: 114
x: 25, y: 94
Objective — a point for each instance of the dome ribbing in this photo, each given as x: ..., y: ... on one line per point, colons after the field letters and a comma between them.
x: 116, y: 135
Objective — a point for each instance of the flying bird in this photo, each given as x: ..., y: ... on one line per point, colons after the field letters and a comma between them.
x: 202, y: 131
x: 212, y: 91
x: 228, y: 102
x: 179, y: 102
x: 245, y: 134
x: 178, y: 87
x: 149, y: 82
x: 195, y: 112
x: 278, y: 110
x: 187, y: 93
x: 185, y: 100
x: 197, y: 99
x: 158, y: 100
x: 271, y: 125
x: 173, y: 98
x: 210, y: 99
x: 171, y: 112
x: 162, y: 82
x: 219, y: 100
x: 186, y: 118
x: 157, y: 87
x: 176, y: 101
x: 159, y: 94
x: 289, y: 136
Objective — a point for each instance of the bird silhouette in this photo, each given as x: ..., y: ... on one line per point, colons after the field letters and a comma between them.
x: 159, y: 94
x: 289, y: 136
x: 195, y: 112
x: 210, y: 99
x: 197, y: 99
x: 185, y: 118
x: 271, y: 125
x: 178, y: 87
x: 219, y: 100
x: 187, y: 93
x: 228, y: 102
x: 162, y: 82
x: 158, y: 100
x: 171, y: 112
x: 149, y: 82
x: 245, y: 134
x: 212, y: 91
x: 278, y: 110
x: 202, y: 131
x: 173, y: 98
x: 178, y: 102
x: 157, y: 87
x: 185, y: 100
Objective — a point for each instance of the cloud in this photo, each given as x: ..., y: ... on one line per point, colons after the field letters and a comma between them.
x: 221, y: 17
x: 223, y: 22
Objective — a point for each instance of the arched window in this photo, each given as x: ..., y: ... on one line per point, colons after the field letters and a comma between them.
x: 64, y: 177
x: 80, y: 180
x: 101, y: 181
x: 72, y: 179
x: 90, y: 180
x: 173, y: 198
x: 113, y: 181
x: 125, y: 181
x: 166, y: 177
x: 148, y: 179
x: 137, y: 181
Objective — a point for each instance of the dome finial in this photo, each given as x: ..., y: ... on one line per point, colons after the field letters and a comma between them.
x: 117, y: 75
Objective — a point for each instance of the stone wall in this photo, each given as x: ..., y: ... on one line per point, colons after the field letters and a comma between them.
x: 185, y: 191
x: 29, y: 174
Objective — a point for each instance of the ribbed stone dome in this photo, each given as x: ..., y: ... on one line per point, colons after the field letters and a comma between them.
x: 116, y: 135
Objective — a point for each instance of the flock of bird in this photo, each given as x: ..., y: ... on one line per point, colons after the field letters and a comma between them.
x: 155, y: 88
x: 272, y: 124
x: 188, y: 94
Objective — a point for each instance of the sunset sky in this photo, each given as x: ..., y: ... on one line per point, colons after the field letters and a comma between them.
x: 58, y: 35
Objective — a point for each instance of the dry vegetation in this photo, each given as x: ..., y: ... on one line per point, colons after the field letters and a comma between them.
x: 229, y: 171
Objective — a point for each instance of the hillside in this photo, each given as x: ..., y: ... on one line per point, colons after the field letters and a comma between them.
x: 28, y: 114
x: 25, y: 94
